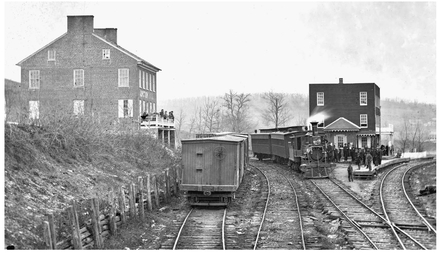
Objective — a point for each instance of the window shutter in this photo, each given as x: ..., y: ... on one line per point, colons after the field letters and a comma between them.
x: 130, y: 107
x: 120, y: 106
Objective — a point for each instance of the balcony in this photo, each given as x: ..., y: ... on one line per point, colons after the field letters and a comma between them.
x: 156, y: 121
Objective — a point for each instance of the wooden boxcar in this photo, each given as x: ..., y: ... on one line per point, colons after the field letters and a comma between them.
x: 261, y: 145
x: 213, y: 168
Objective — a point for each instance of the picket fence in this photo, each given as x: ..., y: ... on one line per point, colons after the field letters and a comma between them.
x: 103, y: 222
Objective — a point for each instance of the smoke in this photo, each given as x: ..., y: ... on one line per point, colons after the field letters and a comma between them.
x: 319, y: 117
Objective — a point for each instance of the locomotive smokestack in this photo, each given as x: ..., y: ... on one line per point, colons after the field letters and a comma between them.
x: 314, y: 127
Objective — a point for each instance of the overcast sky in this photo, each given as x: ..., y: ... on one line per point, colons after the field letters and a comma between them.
x: 208, y: 48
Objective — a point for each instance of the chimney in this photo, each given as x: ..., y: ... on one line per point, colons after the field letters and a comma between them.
x: 80, y: 24
x: 314, y: 127
x: 340, y: 80
x: 109, y: 34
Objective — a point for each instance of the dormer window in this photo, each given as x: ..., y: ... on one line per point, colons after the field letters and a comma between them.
x: 105, y: 54
x: 51, y: 55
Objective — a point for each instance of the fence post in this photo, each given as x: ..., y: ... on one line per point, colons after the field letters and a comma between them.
x: 141, y: 203
x: 168, y: 185
x: 123, y: 217
x: 113, y: 228
x: 132, y: 201
x: 76, y: 234
x: 47, y: 235
x: 52, y: 230
x: 95, y: 221
x: 148, y: 191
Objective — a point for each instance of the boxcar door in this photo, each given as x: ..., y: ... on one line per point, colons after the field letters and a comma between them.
x: 199, y: 161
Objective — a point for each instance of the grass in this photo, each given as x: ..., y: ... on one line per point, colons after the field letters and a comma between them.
x: 65, y: 158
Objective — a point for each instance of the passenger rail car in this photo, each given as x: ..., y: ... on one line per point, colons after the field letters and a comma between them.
x: 213, y: 168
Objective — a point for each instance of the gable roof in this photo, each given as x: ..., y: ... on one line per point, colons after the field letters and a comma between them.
x: 139, y: 60
x: 123, y: 50
x: 41, y: 49
x: 342, y: 125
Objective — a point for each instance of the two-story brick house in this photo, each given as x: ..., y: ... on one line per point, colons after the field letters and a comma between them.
x: 348, y: 113
x: 85, y: 71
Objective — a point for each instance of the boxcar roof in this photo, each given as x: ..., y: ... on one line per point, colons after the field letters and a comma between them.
x: 226, y: 138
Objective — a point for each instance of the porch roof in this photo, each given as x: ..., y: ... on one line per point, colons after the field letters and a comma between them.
x: 342, y: 125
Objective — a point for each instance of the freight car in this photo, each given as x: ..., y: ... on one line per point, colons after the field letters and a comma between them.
x: 301, y: 149
x: 213, y: 168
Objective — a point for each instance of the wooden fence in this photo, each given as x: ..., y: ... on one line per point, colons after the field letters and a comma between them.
x: 147, y: 193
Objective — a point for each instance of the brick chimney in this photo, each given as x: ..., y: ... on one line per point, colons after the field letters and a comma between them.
x: 80, y: 24
x: 109, y: 34
x: 340, y: 80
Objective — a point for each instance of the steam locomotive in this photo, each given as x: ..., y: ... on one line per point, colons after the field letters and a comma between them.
x: 301, y: 149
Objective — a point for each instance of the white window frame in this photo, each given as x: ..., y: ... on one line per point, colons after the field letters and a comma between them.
x: 320, y: 98
x: 51, y: 55
x: 78, y: 78
x: 34, y: 79
x: 78, y: 107
x: 125, y: 111
x: 363, y: 98
x: 153, y: 82
x: 144, y: 80
x: 140, y: 78
x: 363, y: 121
x: 123, y: 79
x: 106, y: 54
x: 34, y: 109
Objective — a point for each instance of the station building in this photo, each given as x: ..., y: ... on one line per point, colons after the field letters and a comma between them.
x: 85, y: 72
x: 348, y: 113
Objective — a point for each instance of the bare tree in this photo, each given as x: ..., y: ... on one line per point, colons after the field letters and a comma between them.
x: 236, y: 115
x: 277, y: 111
x: 212, y: 115
x: 404, y: 133
x: 179, y: 122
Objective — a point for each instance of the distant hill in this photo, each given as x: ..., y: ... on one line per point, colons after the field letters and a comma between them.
x: 393, y: 111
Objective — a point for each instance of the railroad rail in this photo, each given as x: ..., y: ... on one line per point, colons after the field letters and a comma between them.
x: 282, y: 215
x: 202, y: 229
x: 368, y: 229
x: 398, y: 209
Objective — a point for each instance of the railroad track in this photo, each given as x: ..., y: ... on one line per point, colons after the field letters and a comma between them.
x: 366, y: 229
x: 282, y: 227
x: 202, y: 229
x: 417, y: 232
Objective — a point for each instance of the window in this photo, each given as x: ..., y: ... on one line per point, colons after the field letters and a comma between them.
x: 364, y: 142
x: 363, y: 120
x: 144, y: 80
x: 125, y: 108
x: 320, y: 99
x: 140, y: 107
x: 78, y: 78
x: 140, y: 78
x: 153, y: 107
x: 340, y: 140
x: 51, y: 55
x: 34, y: 79
x: 153, y: 83
x: 34, y: 109
x: 149, y: 81
x: 78, y: 107
x: 363, y: 98
x: 105, y: 54
x: 124, y: 79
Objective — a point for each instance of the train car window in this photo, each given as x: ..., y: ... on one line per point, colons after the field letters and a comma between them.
x: 299, y: 143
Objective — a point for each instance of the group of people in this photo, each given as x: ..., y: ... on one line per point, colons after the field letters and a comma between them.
x: 359, y: 156
x: 163, y: 114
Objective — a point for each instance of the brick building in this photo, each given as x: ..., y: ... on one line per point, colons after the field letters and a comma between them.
x: 348, y: 113
x: 85, y: 71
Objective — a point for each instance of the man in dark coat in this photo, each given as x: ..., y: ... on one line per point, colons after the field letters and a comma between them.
x: 345, y: 152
